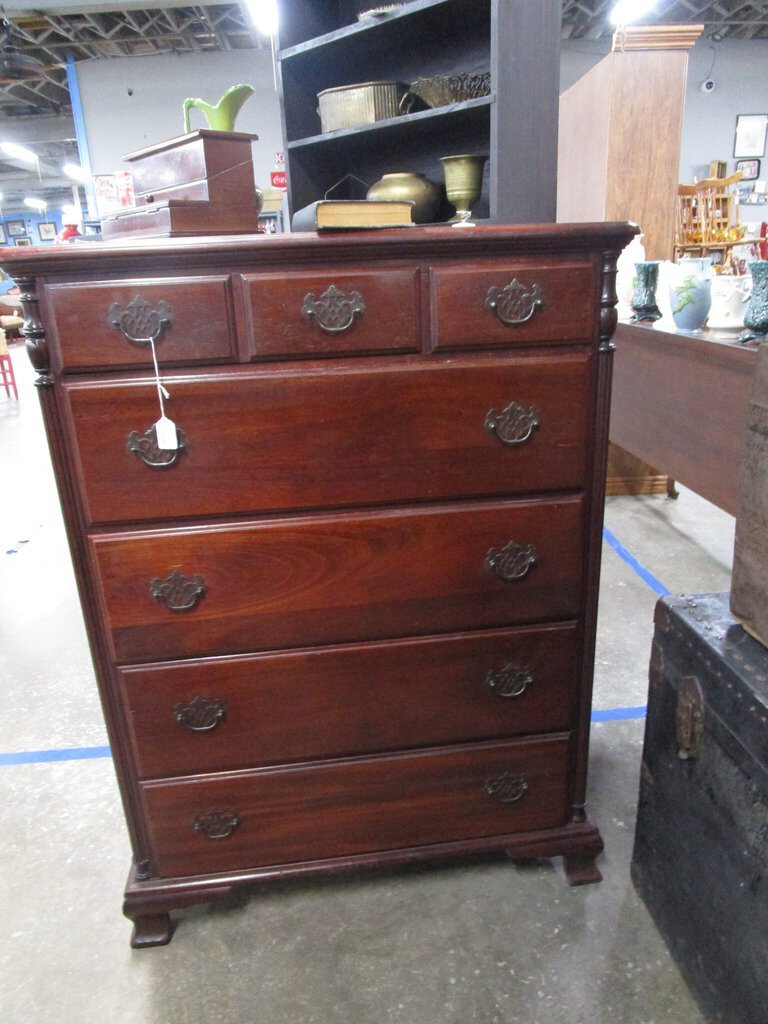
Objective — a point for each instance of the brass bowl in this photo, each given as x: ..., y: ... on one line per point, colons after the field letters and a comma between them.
x: 440, y: 90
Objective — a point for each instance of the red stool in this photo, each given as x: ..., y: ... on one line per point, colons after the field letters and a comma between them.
x: 6, y: 368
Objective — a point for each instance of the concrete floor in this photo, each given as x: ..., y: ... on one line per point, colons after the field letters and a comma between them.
x: 487, y: 942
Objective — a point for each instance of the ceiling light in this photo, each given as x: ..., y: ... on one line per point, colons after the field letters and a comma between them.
x: 263, y: 15
x: 627, y: 12
x: 36, y: 204
x: 77, y: 173
x: 12, y: 149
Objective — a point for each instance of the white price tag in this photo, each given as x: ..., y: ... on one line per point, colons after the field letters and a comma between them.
x: 165, y: 432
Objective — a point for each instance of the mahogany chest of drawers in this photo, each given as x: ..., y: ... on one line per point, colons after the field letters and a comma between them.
x: 346, y: 615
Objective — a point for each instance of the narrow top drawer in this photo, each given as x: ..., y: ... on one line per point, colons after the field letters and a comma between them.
x: 109, y: 323
x: 501, y: 304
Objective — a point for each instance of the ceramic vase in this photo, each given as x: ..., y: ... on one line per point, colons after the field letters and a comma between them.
x: 756, y: 315
x: 730, y: 295
x: 426, y: 194
x: 644, y: 296
x: 625, y: 276
x: 690, y: 293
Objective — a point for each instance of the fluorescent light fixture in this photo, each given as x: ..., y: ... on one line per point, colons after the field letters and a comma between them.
x: 627, y: 12
x: 36, y: 204
x: 263, y: 15
x: 76, y: 172
x: 12, y: 149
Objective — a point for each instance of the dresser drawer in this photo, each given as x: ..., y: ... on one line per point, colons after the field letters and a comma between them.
x: 228, y: 713
x: 334, y: 312
x: 304, y: 581
x: 339, y: 809
x: 267, y: 442
x: 191, y: 319
x: 506, y: 304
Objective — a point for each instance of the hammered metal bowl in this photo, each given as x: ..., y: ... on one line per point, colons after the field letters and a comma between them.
x: 440, y: 90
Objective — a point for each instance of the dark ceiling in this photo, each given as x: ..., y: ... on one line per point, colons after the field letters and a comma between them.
x: 88, y: 33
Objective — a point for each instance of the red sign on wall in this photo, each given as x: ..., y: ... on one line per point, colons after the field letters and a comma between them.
x: 277, y: 179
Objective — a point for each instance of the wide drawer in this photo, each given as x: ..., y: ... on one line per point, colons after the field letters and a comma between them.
x: 191, y: 320
x: 333, y: 312
x: 507, y: 304
x: 229, y: 713
x: 339, y: 809
x: 254, y: 441
x: 303, y: 581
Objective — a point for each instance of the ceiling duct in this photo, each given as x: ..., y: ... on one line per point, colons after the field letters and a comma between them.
x: 16, y: 66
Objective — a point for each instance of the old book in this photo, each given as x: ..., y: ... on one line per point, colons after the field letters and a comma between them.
x: 339, y: 214
x: 749, y: 581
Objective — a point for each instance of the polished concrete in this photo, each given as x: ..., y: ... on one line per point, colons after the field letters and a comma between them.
x: 488, y: 942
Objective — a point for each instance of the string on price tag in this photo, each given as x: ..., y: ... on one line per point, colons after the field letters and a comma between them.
x: 165, y: 429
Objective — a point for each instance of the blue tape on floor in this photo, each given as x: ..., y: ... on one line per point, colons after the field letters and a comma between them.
x: 616, y: 714
x: 632, y: 562
x: 67, y: 754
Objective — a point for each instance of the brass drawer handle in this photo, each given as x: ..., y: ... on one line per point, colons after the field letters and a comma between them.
x: 200, y: 714
x: 507, y: 788
x: 514, y: 424
x: 146, y: 450
x: 516, y: 303
x: 512, y: 561
x: 139, y: 322
x: 335, y: 310
x: 509, y: 681
x: 216, y: 824
x: 178, y: 592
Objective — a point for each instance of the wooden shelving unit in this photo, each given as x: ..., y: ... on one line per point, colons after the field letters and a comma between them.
x: 324, y: 45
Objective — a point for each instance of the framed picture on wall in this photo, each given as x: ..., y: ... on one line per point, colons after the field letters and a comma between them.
x: 750, y: 135
x: 15, y: 228
x: 22, y: 240
x: 750, y: 169
x: 47, y: 230
x: 3, y: 238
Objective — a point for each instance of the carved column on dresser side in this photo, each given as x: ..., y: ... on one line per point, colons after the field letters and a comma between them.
x: 34, y: 331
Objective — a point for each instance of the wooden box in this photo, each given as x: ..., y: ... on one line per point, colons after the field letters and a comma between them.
x: 700, y: 860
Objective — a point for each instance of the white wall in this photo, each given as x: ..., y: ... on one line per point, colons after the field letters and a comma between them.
x: 131, y: 103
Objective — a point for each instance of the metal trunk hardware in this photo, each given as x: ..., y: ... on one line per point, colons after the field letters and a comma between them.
x: 335, y: 310
x: 516, y: 303
x: 512, y: 561
x: 514, y: 424
x: 139, y: 322
x: 145, y: 448
x: 689, y: 718
x: 178, y: 592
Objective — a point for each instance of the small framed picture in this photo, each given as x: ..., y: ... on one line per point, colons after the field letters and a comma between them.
x: 751, y: 130
x: 750, y: 169
x: 22, y: 240
x: 47, y: 230
x: 3, y: 237
x: 15, y: 228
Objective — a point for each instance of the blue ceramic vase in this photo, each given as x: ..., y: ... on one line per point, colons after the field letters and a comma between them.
x: 690, y: 294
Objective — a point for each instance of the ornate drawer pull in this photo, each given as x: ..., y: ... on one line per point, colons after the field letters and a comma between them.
x: 507, y: 788
x: 516, y: 303
x: 509, y: 681
x: 335, y: 310
x: 200, y: 715
x: 512, y: 561
x: 216, y: 824
x: 139, y: 322
x: 145, y: 448
x: 178, y: 592
x: 514, y: 424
